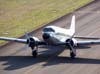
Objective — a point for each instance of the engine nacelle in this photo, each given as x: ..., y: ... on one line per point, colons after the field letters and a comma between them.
x: 75, y: 42
x: 72, y: 41
x: 35, y: 38
x: 32, y: 42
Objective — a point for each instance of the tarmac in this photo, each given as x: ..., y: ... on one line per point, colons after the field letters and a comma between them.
x: 15, y: 58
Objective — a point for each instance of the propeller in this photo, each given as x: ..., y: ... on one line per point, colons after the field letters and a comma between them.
x: 70, y: 44
x: 27, y: 35
x: 30, y: 41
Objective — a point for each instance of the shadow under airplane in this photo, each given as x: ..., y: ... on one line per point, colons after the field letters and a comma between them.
x: 50, y: 57
x: 17, y: 62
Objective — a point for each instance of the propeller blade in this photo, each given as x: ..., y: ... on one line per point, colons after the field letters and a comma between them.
x: 71, y: 37
x: 27, y: 35
x: 72, y: 48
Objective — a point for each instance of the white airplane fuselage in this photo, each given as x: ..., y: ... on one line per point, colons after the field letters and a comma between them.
x: 54, y: 34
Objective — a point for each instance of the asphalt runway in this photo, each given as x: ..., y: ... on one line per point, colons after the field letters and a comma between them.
x: 15, y: 58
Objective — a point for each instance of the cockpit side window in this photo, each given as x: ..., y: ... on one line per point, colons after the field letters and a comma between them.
x: 48, y: 30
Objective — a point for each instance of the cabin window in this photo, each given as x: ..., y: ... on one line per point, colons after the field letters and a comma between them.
x: 48, y: 30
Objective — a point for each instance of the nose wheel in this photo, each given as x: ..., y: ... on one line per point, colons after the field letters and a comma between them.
x: 34, y: 53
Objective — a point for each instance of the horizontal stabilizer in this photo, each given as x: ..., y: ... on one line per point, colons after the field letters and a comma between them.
x: 85, y: 37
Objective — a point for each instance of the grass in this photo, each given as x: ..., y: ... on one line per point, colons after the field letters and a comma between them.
x: 19, y: 16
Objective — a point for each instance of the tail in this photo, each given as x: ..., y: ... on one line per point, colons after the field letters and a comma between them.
x: 72, y: 27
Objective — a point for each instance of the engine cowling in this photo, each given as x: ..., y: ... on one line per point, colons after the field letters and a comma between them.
x: 73, y: 42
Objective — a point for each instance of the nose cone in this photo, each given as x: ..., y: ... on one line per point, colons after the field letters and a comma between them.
x: 46, y: 36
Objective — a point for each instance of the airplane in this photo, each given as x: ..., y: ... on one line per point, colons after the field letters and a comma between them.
x: 55, y: 36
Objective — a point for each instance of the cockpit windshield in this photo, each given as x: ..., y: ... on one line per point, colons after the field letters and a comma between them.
x: 48, y: 30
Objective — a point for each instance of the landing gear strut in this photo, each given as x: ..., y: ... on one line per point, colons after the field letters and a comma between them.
x: 72, y: 55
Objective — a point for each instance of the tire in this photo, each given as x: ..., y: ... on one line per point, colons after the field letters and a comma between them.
x: 34, y: 54
x: 72, y: 55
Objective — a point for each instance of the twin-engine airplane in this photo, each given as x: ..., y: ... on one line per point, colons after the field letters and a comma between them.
x: 56, y: 36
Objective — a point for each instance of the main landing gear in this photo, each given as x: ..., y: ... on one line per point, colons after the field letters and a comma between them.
x: 34, y: 53
x: 72, y: 55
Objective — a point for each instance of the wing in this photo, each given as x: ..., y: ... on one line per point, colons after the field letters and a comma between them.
x: 14, y: 39
x: 22, y: 40
x: 89, y: 42
x: 86, y: 42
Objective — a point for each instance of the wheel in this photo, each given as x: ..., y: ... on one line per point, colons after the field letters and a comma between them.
x: 72, y: 55
x: 34, y: 53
